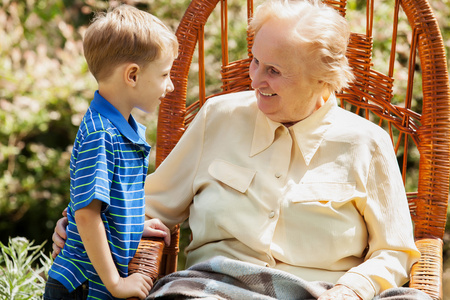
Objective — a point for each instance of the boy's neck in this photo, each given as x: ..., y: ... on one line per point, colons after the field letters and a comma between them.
x: 116, y: 94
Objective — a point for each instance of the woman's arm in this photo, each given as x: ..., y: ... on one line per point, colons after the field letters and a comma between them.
x: 169, y: 190
x: 339, y: 292
x: 391, y: 250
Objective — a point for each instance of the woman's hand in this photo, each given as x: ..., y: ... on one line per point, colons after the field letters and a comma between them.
x: 59, y: 235
x: 156, y: 228
x: 339, y: 292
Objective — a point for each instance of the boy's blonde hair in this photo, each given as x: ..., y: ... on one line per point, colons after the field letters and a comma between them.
x: 319, y: 30
x: 125, y: 34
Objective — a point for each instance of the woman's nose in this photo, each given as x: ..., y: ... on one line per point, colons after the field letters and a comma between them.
x: 257, y: 77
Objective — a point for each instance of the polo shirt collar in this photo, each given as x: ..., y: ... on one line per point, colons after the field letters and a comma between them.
x: 309, y: 132
x: 132, y: 130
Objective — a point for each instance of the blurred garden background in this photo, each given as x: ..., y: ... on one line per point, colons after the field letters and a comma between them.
x: 45, y: 89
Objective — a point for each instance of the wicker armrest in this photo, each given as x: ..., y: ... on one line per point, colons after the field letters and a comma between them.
x: 147, y: 259
x: 426, y: 274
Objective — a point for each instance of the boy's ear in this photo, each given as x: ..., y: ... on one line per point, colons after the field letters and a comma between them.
x: 131, y: 74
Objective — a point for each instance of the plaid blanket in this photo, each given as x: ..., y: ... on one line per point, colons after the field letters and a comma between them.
x: 223, y: 278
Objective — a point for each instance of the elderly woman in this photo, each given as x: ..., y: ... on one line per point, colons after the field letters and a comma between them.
x: 282, y: 182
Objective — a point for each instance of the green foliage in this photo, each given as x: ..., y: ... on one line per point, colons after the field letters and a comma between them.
x: 20, y: 275
x: 45, y: 89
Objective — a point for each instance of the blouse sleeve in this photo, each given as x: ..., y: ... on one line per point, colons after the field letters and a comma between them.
x: 391, y: 250
x: 169, y: 190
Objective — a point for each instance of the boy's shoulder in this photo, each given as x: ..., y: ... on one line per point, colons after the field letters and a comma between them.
x: 95, y: 123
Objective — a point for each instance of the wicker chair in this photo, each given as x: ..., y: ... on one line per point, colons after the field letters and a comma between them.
x: 423, y: 129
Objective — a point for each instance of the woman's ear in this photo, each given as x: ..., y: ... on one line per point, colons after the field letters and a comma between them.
x: 325, y: 94
x: 131, y: 74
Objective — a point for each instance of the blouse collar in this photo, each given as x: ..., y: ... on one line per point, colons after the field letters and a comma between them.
x: 309, y: 133
x: 132, y: 130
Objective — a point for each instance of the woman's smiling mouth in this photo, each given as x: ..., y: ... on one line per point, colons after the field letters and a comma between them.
x: 267, y: 95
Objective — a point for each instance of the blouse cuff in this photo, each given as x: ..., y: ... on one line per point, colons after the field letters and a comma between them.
x: 358, y: 283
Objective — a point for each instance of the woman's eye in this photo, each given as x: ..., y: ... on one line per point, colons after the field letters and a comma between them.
x: 274, y: 71
x: 256, y: 61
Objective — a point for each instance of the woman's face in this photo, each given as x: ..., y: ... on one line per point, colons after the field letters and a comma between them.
x: 285, y: 93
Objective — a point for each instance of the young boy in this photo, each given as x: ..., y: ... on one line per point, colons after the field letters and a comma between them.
x: 130, y: 53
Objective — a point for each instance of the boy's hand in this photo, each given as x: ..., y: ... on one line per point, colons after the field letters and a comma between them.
x: 135, y: 285
x: 156, y: 228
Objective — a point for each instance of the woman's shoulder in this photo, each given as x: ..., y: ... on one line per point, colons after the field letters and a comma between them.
x: 359, y: 129
x: 232, y: 101
x: 233, y: 106
x: 349, y: 118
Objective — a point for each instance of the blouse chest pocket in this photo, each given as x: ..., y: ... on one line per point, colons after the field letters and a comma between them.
x: 234, y: 176
x: 322, y: 192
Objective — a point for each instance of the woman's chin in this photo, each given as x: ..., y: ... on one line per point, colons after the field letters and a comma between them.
x: 269, y: 110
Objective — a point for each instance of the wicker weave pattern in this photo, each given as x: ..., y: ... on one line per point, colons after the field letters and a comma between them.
x: 370, y: 96
x: 147, y: 259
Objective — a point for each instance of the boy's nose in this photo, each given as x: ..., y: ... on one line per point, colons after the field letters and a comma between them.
x: 170, y: 86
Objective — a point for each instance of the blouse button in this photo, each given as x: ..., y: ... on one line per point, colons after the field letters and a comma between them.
x: 271, y: 214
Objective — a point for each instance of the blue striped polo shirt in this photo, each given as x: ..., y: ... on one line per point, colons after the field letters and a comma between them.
x: 109, y: 162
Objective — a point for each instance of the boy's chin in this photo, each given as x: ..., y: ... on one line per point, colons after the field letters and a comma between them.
x: 149, y: 110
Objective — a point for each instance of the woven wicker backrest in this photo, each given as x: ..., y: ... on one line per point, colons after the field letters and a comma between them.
x: 418, y: 120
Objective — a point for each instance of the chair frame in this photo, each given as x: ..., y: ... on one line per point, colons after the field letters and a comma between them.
x: 370, y: 95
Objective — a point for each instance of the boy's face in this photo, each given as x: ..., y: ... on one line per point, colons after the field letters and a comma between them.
x: 154, y: 82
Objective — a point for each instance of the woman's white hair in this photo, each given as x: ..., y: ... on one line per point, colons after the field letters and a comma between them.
x: 320, y: 31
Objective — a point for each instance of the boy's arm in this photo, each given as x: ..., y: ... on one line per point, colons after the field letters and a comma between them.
x: 93, y: 235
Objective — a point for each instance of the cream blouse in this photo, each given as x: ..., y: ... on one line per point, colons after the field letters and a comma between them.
x: 323, y: 199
